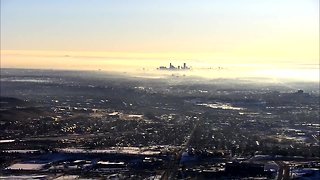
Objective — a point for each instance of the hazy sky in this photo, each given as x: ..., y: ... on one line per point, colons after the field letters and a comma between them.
x: 40, y: 33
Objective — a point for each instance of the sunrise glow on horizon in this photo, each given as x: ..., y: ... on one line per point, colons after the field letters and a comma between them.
x: 89, y: 35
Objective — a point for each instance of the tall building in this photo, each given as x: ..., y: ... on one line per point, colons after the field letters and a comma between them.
x: 171, y: 66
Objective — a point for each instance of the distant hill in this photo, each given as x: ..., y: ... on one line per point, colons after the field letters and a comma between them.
x: 7, y: 102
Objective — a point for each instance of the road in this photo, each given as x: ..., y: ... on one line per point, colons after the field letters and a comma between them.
x: 174, y: 164
x: 284, y: 171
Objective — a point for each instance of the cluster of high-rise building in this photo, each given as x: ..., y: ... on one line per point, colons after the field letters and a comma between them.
x: 172, y: 67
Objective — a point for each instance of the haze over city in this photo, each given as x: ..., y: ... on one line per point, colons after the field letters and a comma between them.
x: 159, y: 90
x: 277, y: 39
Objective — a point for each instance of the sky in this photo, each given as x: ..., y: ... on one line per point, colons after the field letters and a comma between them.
x: 124, y: 34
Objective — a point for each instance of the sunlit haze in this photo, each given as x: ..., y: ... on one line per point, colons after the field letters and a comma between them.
x: 159, y: 89
x: 245, y: 38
